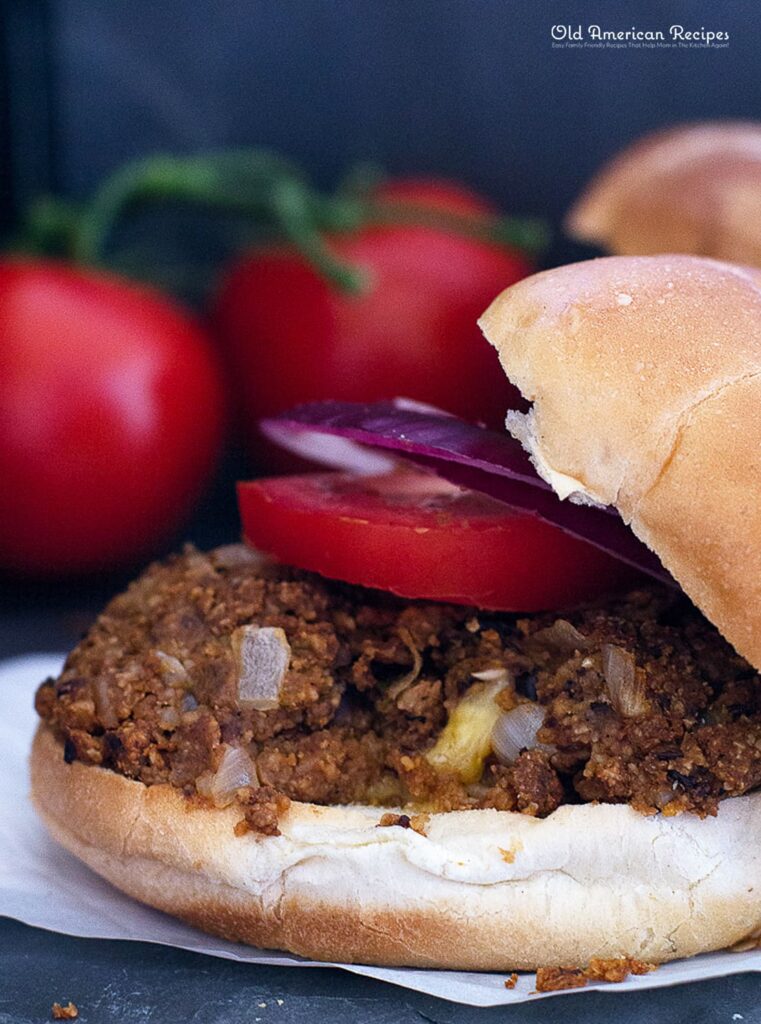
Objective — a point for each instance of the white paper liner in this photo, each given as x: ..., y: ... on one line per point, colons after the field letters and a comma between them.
x: 42, y: 885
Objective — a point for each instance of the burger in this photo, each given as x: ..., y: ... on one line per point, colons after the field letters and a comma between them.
x: 693, y: 188
x: 414, y: 723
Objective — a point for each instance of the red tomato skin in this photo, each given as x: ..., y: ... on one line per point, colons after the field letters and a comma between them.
x: 480, y: 553
x: 292, y: 337
x: 435, y: 193
x: 111, y: 417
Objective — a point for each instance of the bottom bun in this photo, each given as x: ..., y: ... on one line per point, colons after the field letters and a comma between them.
x: 482, y: 890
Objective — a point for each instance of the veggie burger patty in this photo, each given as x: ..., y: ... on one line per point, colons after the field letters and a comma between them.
x: 250, y: 683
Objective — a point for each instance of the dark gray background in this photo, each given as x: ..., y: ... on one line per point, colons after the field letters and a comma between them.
x: 466, y: 88
x: 469, y: 88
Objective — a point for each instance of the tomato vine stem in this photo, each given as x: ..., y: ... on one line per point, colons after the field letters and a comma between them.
x: 265, y: 188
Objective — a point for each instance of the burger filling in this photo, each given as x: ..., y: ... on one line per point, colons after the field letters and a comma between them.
x: 251, y: 684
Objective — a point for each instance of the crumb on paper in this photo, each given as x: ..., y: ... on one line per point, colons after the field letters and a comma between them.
x: 512, y: 981
x: 555, y: 979
x: 68, y: 1012
x: 616, y: 970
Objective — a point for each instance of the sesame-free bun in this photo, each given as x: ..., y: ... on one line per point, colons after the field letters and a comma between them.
x: 483, y: 890
x: 695, y: 188
x: 645, y: 378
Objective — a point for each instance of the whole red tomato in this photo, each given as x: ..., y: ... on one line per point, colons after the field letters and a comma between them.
x: 435, y: 194
x: 110, y: 418
x: 293, y: 337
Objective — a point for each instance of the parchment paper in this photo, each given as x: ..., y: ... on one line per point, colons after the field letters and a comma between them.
x: 42, y: 885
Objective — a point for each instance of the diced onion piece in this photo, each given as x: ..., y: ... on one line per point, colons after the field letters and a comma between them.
x: 236, y: 771
x: 169, y: 718
x: 172, y: 669
x: 562, y: 637
x: 231, y: 556
x: 262, y: 656
x: 198, y: 560
x: 663, y: 798
x: 493, y: 675
x: 104, y: 705
x: 189, y: 702
x: 516, y: 730
x: 398, y: 687
x: 465, y: 741
x: 625, y: 684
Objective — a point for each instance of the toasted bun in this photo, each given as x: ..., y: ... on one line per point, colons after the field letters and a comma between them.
x: 645, y: 379
x: 693, y: 189
x: 483, y: 890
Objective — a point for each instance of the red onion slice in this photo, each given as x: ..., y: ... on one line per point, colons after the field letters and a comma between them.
x: 466, y: 455
x: 327, y: 449
x: 408, y: 428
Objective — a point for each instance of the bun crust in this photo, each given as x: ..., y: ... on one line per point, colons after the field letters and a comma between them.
x: 693, y: 189
x: 645, y: 379
x: 483, y: 890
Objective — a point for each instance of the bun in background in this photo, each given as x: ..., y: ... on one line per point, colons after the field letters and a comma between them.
x: 694, y: 189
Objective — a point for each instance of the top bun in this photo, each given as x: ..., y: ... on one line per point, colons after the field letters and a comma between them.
x: 645, y: 379
x: 695, y: 189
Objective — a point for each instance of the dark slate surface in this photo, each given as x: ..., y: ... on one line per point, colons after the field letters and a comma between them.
x: 470, y: 88
x: 124, y: 982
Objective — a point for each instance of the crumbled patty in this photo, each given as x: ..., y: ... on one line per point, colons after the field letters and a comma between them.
x: 152, y: 692
x: 556, y: 979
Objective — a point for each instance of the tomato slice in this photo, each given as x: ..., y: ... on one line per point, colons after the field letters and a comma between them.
x: 420, y: 537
